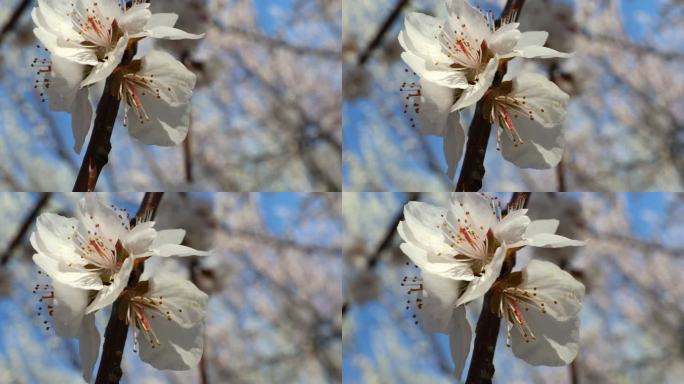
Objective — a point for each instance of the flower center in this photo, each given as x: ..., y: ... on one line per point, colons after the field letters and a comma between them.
x: 511, y: 303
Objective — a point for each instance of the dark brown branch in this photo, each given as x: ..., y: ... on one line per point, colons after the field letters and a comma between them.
x: 187, y: 154
x: 195, y: 272
x: 386, y: 241
x: 373, y: 45
x: 14, y: 19
x: 560, y: 175
x: 117, y: 329
x: 97, y: 154
x: 21, y: 233
x: 473, y: 169
x: 487, y: 331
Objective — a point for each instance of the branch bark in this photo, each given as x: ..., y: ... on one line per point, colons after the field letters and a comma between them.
x: 117, y: 329
x: 30, y: 219
x: 97, y: 154
x: 487, y: 330
x: 473, y: 169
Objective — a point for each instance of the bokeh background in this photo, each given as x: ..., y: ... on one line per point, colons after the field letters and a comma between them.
x: 266, y: 110
x: 272, y: 280
x: 631, y: 318
x: 625, y: 126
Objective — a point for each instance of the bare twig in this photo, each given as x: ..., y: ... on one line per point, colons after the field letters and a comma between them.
x: 487, y: 331
x: 97, y: 154
x: 19, y: 236
x: 14, y: 19
x: 560, y: 174
x: 386, y: 241
x: 117, y: 329
x: 473, y: 170
x: 373, y: 45
x: 187, y: 154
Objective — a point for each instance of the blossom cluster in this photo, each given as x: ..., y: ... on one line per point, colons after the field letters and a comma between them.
x: 90, y: 258
x: 457, y: 60
x: 87, y: 41
x: 460, y: 250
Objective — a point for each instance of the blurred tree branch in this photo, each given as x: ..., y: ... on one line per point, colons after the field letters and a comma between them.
x: 377, y: 39
x: 14, y: 18
x: 26, y: 224
x: 386, y: 241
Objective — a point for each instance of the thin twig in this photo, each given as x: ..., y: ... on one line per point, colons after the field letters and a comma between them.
x: 187, y: 154
x: 487, y: 331
x: 28, y: 220
x: 375, y: 43
x: 14, y: 19
x: 117, y: 329
x: 195, y: 271
x: 560, y: 174
x: 386, y: 241
x: 473, y: 170
x: 97, y: 154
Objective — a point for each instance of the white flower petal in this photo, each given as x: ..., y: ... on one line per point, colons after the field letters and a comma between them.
x: 169, y: 33
x: 548, y: 240
x: 561, y: 293
x: 460, y: 336
x: 454, y: 141
x: 172, y: 80
x: 81, y: 118
x: 435, y: 103
x: 474, y: 93
x: 181, y: 338
x: 173, y: 250
x: 88, y: 346
x: 103, y: 69
x: 556, y: 343
x: 480, y: 285
x: 140, y: 238
x: 475, y: 206
x: 542, y: 226
x: 135, y: 18
x: 422, y: 220
x: 512, y: 227
x: 542, y: 147
x: 69, y: 307
x: 109, y: 293
x: 169, y: 236
x: 462, y: 13
x: 449, y: 270
x: 504, y: 39
x: 167, y: 125
x: 439, y: 297
x: 162, y: 20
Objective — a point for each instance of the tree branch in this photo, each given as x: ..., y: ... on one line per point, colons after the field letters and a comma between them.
x: 487, y: 331
x: 473, y: 170
x: 386, y: 241
x: 117, y: 329
x: 97, y: 154
x: 373, y: 45
x: 28, y: 220
x: 14, y: 19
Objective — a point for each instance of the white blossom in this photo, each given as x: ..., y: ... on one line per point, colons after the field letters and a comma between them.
x: 97, y: 249
x: 542, y: 303
x: 169, y: 313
